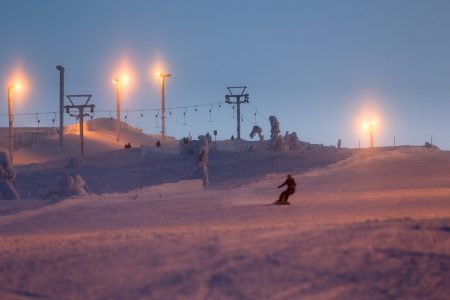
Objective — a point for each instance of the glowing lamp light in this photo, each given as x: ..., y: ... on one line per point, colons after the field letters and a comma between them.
x: 15, y: 86
x: 369, y: 125
x: 123, y: 79
x: 163, y: 75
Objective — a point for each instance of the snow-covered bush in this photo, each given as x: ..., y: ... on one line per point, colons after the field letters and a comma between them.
x: 7, y: 174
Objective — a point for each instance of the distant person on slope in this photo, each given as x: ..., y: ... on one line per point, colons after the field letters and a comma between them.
x: 290, y: 183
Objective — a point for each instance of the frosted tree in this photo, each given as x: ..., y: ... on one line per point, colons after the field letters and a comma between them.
x: 7, y: 175
x: 291, y: 141
x: 72, y: 183
x: 257, y: 130
x: 276, y: 140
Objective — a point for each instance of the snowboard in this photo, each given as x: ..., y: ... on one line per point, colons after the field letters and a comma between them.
x: 281, y: 203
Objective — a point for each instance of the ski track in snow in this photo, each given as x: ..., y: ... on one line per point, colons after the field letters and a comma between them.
x: 364, y: 225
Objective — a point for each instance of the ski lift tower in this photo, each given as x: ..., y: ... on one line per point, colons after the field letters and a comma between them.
x: 238, y: 102
x: 81, y: 114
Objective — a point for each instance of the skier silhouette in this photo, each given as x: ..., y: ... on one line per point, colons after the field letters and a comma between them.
x: 290, y: 182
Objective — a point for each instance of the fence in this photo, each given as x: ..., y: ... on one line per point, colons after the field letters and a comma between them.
x: 26, y: 136
x: 239, y: 146
x: 100, y: 123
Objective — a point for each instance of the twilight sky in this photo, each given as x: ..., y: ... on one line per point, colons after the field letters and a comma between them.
x: 321, y: 67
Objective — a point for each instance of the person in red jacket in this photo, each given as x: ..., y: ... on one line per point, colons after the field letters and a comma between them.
x: 290, y: 183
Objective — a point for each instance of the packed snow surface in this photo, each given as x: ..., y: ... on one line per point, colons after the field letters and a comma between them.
x: 368, y: 224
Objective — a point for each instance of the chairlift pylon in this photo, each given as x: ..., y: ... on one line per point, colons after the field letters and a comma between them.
x: 156, y: 120
x: 184, y: 116
x: 38, y: 120
x: 210, y: 113
x: 53, y: 120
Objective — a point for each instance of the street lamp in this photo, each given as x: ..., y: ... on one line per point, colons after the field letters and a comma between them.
x: 118, y: 81
x: 61, y: 103
x: 370, y: 126
x: 11, y: 119
x: 163, y: 103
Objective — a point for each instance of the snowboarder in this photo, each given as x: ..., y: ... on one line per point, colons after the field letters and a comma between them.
x: 290, y: 182
x: 158, y: 144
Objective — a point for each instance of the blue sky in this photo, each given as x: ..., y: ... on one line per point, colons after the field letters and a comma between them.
x: 321, y: 67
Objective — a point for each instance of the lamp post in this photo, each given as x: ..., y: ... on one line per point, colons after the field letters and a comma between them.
x: 370, y: 126
x: 11, y: 120
x: 117, y: 82
x: 61, y: 103
x: 163, y: 103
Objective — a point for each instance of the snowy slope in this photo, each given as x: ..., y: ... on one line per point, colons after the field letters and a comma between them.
x: 108, y: 167
x: 95, y: 141
x: 372, y: 224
